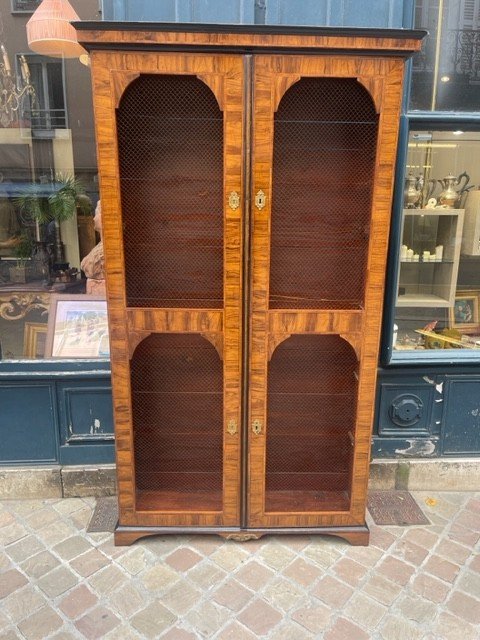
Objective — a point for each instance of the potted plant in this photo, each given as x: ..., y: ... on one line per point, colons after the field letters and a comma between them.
x: 50, y: 211
x: 23, y: 253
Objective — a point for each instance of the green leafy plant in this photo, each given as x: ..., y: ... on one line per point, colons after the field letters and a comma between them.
x: 23, y: 249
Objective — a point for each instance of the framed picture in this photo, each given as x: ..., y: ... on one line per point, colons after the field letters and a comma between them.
x: 464, y: 313
x: 77, y: 327
x: 34, y: 337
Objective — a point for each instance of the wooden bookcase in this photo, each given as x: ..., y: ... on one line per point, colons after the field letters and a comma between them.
x: 246, y: 181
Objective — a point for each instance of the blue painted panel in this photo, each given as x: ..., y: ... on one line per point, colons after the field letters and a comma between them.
x: 405, y: 410
x: 27, y: 423
x: 462, y: 416
x: 348, y: 13
x: 208, y: 11
x: 86, y: 422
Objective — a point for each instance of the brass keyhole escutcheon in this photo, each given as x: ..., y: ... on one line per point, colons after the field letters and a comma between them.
x: 232, y: 427
x: 257, y: 427
x: 233, y: 200
x: 260, y: 200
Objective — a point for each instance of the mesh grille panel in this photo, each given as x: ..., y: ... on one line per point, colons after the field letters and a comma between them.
x: 170, y: 137
x: 323, y: 166
x: 311, y: 407
x: 177, y: 405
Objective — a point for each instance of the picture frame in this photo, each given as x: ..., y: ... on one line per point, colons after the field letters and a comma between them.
x: 34, y: 339
x: 464, y: 314
x: 77, y: 327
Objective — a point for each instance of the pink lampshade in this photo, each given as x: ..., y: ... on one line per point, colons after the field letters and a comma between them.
x: 50, y: 33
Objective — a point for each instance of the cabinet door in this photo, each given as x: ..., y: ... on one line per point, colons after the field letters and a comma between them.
x: 173, y: 245
x: 325, y: 133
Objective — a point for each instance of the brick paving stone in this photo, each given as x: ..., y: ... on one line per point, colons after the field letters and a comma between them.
x: 349, y: 571
x: 12, y: 533
x: 66, y: 506
x: 5, y: 562
x: 181, y: 597
x: 230, y: 556
x: 254, y: 575
x: 127, y: 600
x: 421, y: 537
x: 458, y: 533
x: 232, y: 594
x: 55, y: 533
x: 345, y: 630
x: 159, y: 577
x: 57, y: 582
x: 332, y: 592
x: 64, y: 635
x: 290, y: 630
x: 417, y: 609
x: 22, y: 603
x: 180, y: 634
x: 38, y: 565
x: 314, y: 617
x: 467, y: 519
x: 24, y: 548
x: 452, y: 551
x: 283, y: 594
x: 206, y: 575
x: 41, y: 518
x: 276, y: 556
x: 123, y: 632
x: 409, y: 551
x: 430, y: 588
x: 364, y: 611
x: 163, y: 545
x: 10, y: 581
x: 134, y: 561
x: 293, y: 542
x: 303, y: 572
x: 77, y: 601
x: 6, y: 519
x: 368, y: 556
x: 206, y: 545
x: 9, y: 635
x: 81, y: 518
x: 470, y: 583
x: 107, y: 580
x: 97, y: 623
x: 449, y: 627
x: 260, y: 617
x: 89, y: 562
x: 396, y: 628
x: 396, y: 570
x: 41, y: 624
x: 322, y: 555
x: 475, y: 564
x: 465, y: 607
x: 441, y: 568
x: 72, y: 547
x: 381, y: 538
x: 382, y: 589
x: 207, y: 619
x: 183, y: 559
x: 234, y: 631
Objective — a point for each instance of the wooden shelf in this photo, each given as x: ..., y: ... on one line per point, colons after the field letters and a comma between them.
x: 303, y: 501
x: 169, y: 500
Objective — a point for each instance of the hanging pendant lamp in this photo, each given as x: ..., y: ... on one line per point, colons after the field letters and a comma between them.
x: 50, y: 33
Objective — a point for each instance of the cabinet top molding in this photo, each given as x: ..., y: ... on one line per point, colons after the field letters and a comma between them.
x: 250, y: 38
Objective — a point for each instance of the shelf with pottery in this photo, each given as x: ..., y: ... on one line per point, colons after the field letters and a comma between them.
x: 429, y: 257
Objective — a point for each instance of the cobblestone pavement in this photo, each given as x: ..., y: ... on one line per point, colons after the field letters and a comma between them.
x: 411, y: 583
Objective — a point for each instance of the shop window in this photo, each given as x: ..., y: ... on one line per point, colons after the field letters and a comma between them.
x: 438, y: 285
x: 446, y: 73
x: 51, y: 258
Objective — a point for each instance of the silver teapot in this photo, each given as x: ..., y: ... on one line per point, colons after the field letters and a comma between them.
x: 413, y: 190
x: 450, y: 197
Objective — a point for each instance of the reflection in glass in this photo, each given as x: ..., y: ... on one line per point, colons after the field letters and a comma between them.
x: 439, y: 258
x: 446, y: 73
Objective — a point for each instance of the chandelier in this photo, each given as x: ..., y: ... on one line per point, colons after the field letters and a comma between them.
x: 12, y: 90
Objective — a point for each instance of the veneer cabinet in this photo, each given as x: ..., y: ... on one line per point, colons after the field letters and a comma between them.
x: 246, y: 183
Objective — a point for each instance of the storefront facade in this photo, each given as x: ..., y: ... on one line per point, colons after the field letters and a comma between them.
x: 54, y: 368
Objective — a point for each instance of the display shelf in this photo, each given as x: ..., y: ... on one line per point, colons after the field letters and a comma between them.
x: 425, y: 281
